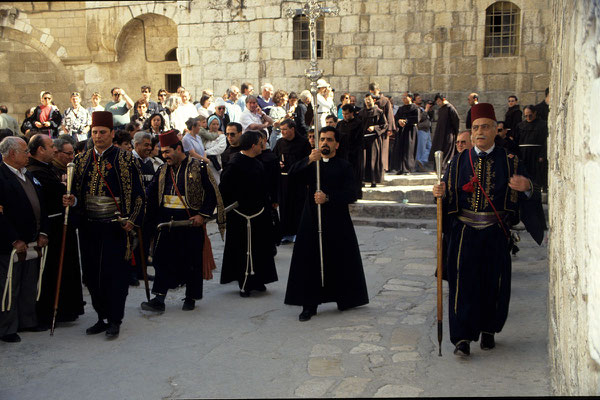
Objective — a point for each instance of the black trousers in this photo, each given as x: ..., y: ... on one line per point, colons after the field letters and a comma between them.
x: 105, y: 270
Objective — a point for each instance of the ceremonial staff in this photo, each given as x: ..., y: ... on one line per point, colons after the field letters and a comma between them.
x: 70, y: 170
x: 313, y: 11
x: 440, y: 311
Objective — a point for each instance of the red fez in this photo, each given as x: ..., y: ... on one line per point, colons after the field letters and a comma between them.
x: 102, y: 118
x: 482, y: 110
x: 168, y: 138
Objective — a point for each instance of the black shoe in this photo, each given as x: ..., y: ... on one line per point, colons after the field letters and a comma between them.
x: 98, y: 327
x: 244, y: 293
x: 153, y: 305
x: 373, y: 185
x: 463, y: 348
x: 188, y: 304
x: 11, y: 338
x: 307, y: 313
x: 133, y: 281
x: 112, y: 332
x: 487, y: 341
x: 261, y: 288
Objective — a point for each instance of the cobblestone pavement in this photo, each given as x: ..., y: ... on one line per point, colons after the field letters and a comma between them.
x: 256, y: 347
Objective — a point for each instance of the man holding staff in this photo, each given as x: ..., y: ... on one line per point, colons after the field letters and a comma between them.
x: 482, y: 191
x: 108, y: 194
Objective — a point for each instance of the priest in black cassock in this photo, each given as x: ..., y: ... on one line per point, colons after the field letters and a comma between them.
x: 183, y: 189
x: 107, y: 184
x: 342, y: 279
x: 351, y: 127
x: 405, y: 145
x: 484, y: 191
x: 289, y: 149
x: 70, y: 305
x: 270, y: 163
x: 248, y: 255
x: 374, y: 127
x: 444, y: 138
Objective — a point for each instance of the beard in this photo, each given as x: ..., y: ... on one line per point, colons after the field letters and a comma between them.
x: 325, y: 150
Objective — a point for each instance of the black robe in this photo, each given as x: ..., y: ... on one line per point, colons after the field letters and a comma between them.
x: 352, y: 144
x: 270, y: 163
x: 478, y: 259
x: 300, y: 117
x: 533, y: 138
x: 178, y: 251
x: 446, y: 130
x: 387, y: 107
x: 343, y: 271
x: 373, y: 142
x: 291, y: 193
x: 243, y: 180
x: 405, y: 146
x: 70, y: 304
x: 228, y: 154
x: 512, y: 119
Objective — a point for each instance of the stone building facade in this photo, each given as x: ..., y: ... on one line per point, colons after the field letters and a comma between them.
x: 574, y: 154
x: 426, y: 47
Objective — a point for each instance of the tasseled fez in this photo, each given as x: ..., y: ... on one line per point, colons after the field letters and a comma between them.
x: 168, y: 138
x: 102, y: 118
x: 482, y: 110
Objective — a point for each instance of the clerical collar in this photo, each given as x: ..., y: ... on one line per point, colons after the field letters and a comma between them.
x: 488, y: 151
x: 326, y: 159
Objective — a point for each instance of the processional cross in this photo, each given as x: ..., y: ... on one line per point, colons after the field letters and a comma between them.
x: 312, y: 10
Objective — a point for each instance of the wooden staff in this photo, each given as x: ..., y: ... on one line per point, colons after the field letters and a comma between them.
x: 70, y: 170
x: 440, y: 310
x: 143, y: 263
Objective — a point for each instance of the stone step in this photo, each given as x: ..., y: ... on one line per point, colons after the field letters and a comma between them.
x: 391, y: 209
x: 410, y: 180
x: 398, y: 223
x: 421, y: 194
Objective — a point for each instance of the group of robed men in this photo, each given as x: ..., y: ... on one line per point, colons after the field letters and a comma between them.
x: 485, y: 190
x: 113, y: 206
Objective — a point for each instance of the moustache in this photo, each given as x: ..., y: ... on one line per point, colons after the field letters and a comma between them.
x: 325, y: 150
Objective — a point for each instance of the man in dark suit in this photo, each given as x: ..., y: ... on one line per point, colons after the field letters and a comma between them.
x: 23, y: 223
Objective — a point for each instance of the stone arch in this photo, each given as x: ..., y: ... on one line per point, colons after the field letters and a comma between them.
x: 14, y: 27
x: 150, y: 26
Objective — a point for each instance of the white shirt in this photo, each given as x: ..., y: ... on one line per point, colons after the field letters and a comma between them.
x: 20, y: 173
x: 248, y: 118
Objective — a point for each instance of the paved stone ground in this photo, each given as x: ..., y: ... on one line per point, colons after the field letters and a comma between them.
x: 230, y: 347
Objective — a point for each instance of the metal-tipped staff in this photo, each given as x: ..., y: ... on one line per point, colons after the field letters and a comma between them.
x: 313, y: 11
x: 70, y: 170
x: 440, y: 310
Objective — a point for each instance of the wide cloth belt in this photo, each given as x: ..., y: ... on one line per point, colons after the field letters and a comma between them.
x: 173, y: 202
x: 479, y: 220
x: 100, y: 208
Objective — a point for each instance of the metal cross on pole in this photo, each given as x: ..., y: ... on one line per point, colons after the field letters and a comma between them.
x: 312, y: 10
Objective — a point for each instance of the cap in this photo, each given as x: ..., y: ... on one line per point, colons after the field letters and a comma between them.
x: 482, y: 110
x: 322, y: 83
x: 102, y: 118
x: 168, y: 138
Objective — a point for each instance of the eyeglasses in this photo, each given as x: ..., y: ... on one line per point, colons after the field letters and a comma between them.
x: 47, y: 98
x: 75, y: 94
x: 484, y: 127
x: 26, y: 151
x: 69, y: 153
x: 162, y: 95
x: 500, y: 129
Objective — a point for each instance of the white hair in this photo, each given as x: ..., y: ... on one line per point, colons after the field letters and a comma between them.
x: 304, y: 95
x: 140, y: 136
x: 10, y: 143
x: 267, y: 86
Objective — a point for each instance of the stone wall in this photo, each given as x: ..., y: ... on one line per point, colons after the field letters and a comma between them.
x: 574, y: 155
x: 401, y: 44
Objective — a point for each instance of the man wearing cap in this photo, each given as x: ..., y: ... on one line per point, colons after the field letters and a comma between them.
x: 181, y: 190
x: 484, y: 191
x: 108, y: 194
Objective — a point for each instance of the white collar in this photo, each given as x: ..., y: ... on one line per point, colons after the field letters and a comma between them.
x: 101, y: 154
x: 19, y: 173
x: 488, y: 151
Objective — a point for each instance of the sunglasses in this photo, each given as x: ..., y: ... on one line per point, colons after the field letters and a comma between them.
x: 220, y: 108
x: 230, y: 134
x: 47, y: 98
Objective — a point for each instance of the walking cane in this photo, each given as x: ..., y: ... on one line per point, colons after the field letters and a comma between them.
x: 70, y: 170
x: 440, y: 311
